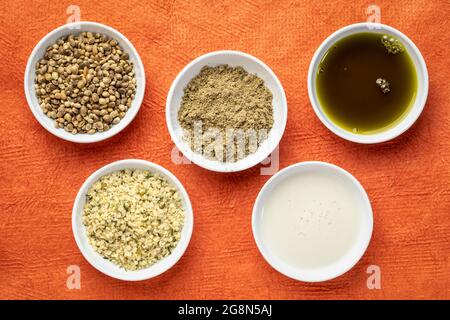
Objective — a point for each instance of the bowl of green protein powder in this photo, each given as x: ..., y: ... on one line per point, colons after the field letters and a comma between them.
x: 226, y: 111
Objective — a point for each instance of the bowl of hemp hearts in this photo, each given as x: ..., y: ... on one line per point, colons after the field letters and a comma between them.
x: 132, y: 220
x: 84, y: 82
x: 226, y: 111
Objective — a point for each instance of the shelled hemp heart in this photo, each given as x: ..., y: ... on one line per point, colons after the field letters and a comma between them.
x: 85, y: 82
x: 234, y: 109
x: 133, y: 218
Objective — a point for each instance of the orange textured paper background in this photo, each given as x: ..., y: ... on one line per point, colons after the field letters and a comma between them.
x: 407, y: 179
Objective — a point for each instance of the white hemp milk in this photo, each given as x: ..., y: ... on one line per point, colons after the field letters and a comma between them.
x: 311, y: 219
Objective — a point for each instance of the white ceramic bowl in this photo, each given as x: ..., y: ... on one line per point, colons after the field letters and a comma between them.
x: 251, y: 65
x: 422, y: 78
x: 104, y: 265
x: 340, y: 266
x: 37, y: 54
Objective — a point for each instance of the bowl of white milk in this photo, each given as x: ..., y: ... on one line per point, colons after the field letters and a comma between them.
x: 312, y: 221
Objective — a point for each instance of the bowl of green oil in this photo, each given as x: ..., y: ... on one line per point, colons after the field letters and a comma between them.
x: 368, y: 83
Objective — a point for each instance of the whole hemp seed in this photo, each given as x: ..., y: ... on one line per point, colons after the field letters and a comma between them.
x: 85, y: 83
x: 232, y: 107
x: 133, y: 218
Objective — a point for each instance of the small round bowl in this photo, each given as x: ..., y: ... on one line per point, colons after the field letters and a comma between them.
x: 75, y: 28
x: 422, y: 88
x: 104, y: 265
x: 349, y: 259
x: 251, y: 65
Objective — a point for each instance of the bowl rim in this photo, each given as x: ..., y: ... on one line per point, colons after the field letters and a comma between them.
x: 61, y: 133
x: 310, y: 275
x: 155, y: 269
x: 397, y: 129
x: 244, y: 163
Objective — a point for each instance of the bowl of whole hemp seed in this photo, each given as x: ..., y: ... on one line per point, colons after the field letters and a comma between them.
x: 84, y: 82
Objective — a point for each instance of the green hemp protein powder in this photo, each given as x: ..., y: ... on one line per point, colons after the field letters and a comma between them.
x: 226, y: 113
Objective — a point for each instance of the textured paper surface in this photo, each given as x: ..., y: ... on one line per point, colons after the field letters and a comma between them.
x: 407, y: 179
